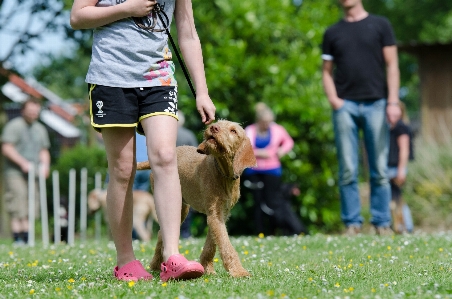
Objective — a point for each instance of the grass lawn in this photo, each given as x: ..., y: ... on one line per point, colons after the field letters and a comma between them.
x: 319, y: 266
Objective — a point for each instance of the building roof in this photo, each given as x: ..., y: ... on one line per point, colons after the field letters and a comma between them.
x: 59, y: 115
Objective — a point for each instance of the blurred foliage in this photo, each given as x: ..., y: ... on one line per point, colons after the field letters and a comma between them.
x: 428, y: 190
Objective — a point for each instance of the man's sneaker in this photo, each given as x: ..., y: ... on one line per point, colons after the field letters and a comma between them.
x: 353, y: 230
x: 384, y: 231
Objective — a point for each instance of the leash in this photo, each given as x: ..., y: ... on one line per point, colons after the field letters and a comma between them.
x: 158, y: 12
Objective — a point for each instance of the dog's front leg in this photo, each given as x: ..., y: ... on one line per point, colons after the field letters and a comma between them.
x: 231, y: 260
x: 157, y: 260
x: 208, y: 253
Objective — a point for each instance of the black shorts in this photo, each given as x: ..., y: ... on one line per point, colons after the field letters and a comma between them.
x: 126, y: 107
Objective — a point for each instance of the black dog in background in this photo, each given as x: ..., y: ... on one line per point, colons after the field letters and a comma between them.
x: 274, y: 214
x: 285, y: 217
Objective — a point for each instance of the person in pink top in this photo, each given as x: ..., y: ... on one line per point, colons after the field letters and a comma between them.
x: 270, y: 142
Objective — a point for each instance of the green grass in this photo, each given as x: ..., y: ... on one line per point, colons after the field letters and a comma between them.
x: 320, y: 266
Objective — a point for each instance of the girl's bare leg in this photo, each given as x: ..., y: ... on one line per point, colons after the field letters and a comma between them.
x: 161, y: 134
x: 120, y: 148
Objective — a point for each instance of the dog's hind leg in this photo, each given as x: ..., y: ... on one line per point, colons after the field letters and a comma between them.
x: 229, y: 255
x: 208, y: 253
x: 157, y: 260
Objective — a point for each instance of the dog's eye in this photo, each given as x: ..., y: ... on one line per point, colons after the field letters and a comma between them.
x: 234, y: 131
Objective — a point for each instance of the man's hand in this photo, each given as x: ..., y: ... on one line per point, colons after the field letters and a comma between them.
x: 337, y: 103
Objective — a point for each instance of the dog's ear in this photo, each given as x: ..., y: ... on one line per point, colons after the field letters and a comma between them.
x: 244, y: 157
x: 203, y: 149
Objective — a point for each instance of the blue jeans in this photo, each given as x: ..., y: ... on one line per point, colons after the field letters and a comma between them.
x: 370, y: 117
x: 141, y: 181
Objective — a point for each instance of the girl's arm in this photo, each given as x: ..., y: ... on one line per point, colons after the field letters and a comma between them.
x: 85, y: 14
x: 190, y: 47
x: 403, y: 142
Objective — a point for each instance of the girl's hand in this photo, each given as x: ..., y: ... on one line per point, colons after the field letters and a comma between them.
x: 139, y: 8
x: 206, y: 108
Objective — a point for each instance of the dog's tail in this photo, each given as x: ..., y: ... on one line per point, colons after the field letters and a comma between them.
x: 143, y: 165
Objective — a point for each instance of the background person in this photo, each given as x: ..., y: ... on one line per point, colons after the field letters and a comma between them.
x: 132, y: 84
x: 185, y: 137
x: 270, y: 142
x: 400, y: 152
x: 361, y: 81
x: 25, y: 143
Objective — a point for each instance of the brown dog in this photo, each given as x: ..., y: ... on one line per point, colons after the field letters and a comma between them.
x: 143, y: 210
x: 210, y: 182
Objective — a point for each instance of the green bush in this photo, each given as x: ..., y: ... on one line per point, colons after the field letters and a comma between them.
x: 428, y: 190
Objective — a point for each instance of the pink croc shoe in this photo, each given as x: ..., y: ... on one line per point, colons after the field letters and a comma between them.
x: 178, y: 267
x: 132, y: 271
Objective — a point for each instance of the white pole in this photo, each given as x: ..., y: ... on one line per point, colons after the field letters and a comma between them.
x: 98, y: 214
x: 83, y: 203
x: 43, y: 201
x: 31, y: 205
x: 56, y: 206
x: 71, y: 212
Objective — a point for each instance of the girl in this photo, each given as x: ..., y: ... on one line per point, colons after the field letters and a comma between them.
x: 132, y: 85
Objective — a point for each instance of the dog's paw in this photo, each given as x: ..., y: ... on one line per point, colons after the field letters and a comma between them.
x: 239, y: 273
x: 209, y: 269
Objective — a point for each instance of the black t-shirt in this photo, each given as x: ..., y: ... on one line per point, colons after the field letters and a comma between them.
x: 356, y: 49
x: 399, y: 129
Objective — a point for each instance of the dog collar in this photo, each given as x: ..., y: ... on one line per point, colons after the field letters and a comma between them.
x: 226, y: 176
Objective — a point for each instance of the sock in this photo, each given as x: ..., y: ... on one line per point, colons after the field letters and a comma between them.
x: 16, y: 237
x: 24, y: 236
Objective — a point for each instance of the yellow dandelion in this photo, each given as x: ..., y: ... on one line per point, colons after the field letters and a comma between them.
x: 441, y: 250
x: 386, y: 284
x: 283, y: 295
x: 71, y: 280
x: 142, y: 249
x: 131, y: 283
x: 261, y: 236
x: 337, y: 285
x: 351, y: 289
x: 180, y: 246
x: 245, y: 252
x: 304, y: 247
x: 32, y: 291
x: 360, y: 264
x: 310, y: 279
x: 369, y: 257
x: 270, y: 263
x: 373, y: 290
x: 389, y: 247
x: 411, y: 256
x: 164, y: 284
x: 206, y: 280
x: 83, y: 278
x: 215, y: 260
x: 69, y: 287
x: 10, y: 253
x: 187, y: 251
x: 350, y: 265
x: 270, y: 292
x: 57, y: 289
x: 92, y: 251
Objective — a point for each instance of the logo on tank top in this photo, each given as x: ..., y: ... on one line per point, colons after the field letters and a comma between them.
x: 99, y: 105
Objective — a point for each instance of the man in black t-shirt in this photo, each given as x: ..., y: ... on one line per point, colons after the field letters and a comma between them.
x: 361, y: 81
